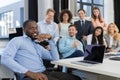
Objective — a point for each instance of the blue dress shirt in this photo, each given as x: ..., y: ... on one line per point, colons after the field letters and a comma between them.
x: 51, y: 29
x: 22, y: 54
x: 65, y: 46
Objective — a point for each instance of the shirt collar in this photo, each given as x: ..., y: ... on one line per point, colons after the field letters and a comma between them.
x: 25, y: 36
x: 71, y: 37
x: 44, y: 21
x: 82, y: 20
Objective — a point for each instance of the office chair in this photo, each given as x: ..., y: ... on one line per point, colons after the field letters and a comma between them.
x: 19, y: 32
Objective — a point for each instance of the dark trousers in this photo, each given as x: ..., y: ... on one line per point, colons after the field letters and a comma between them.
x: 77, y: 53
x: 54, y: 76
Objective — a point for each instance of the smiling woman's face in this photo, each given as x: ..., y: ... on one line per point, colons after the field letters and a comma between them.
x: 98, y: 32
x: 111, y: 28
x: 96, y: 12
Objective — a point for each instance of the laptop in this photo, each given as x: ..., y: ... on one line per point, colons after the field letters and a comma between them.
x: 94, y: 54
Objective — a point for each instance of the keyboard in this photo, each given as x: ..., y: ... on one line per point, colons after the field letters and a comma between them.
x: 85, y: 63
x: 89, y: 62
x: 115, y: 58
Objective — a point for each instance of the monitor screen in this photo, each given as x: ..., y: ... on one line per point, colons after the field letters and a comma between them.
x: 94, y: 53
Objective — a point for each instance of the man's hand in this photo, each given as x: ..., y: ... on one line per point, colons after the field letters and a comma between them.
x: 36, y: 76
x: 111, y: 50
x: 75, y: 44
x: 42, y: 37
x: 47, y: 47
x: 84, y: 38
x: 48, y: 36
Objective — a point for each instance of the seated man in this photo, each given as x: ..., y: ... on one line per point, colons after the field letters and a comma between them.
x: 24, y: 56
x: 71, y: 47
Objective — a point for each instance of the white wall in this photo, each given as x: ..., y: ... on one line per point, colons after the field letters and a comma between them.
x: 43, y: 5
x: 25, y: 9
x: 15, y: 7
x: 109, y: 11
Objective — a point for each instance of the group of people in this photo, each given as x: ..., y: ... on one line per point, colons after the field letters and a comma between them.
x: 89, y: 32
x: 24, y: 54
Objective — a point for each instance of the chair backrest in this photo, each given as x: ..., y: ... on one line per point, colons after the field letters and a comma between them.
x: 19, y: 32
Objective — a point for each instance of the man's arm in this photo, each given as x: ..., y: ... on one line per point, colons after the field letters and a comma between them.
x: 56, y: 34
x: 63, y: 48
x: 79, y: 35
x: 80, y: 47
x: 91, y: 28
x: 52, y: 54
x: 8, y: 56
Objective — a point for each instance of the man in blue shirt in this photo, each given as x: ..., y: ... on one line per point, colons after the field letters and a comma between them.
x: 24, y: 56
x: 47, y: 26
x: 71, y: 47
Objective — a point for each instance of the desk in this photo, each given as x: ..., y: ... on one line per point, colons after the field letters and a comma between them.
x: 108, y: 67
x: 4, y: 71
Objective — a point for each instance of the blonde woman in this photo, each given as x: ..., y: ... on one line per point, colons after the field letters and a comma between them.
x: 112, y: 38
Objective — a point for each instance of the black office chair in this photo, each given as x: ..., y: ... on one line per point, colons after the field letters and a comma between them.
x: 19, y: 32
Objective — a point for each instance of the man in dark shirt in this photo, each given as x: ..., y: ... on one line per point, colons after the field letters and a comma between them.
x: 84, y: 26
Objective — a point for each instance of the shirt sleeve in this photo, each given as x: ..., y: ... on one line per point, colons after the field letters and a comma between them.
x: 39, y: 25
x: 56, y: 34
x: 8, y: 55
x: 89, y: 39
x: 50, y: 55
x: 80, y: 47
x: 63, y: 48
x: 91, y: 28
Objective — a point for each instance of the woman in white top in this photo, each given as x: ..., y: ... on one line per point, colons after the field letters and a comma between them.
x: 112, y: 38
x: 96, y: 37
x: 65, y: 18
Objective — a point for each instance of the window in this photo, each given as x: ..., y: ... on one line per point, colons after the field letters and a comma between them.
x: 21, y: 16
x: 87, y: 5
x: 11, y: 16
x: 6, y: 22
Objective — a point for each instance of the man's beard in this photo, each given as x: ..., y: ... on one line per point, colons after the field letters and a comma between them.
x: 33, y: 37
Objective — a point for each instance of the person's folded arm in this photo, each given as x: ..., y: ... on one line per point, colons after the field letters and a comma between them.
x: 51, y: 54
x: 63, y: 48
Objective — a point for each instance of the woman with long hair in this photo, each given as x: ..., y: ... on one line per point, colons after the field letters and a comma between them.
x: 97, y: 19
x: 96, y: 37
x: 113, y: 38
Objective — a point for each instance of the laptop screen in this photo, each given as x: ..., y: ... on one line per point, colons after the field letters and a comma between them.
x: 94, y: 53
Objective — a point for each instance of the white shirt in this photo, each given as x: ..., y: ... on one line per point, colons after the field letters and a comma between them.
x: 111, y: 41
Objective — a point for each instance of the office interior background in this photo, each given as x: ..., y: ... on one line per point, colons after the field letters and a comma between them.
x: 14, y: 12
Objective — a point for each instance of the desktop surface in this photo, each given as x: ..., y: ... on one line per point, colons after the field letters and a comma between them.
x: 108, y: 67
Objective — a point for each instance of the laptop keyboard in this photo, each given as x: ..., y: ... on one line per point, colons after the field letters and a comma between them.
x: 89, y: 62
